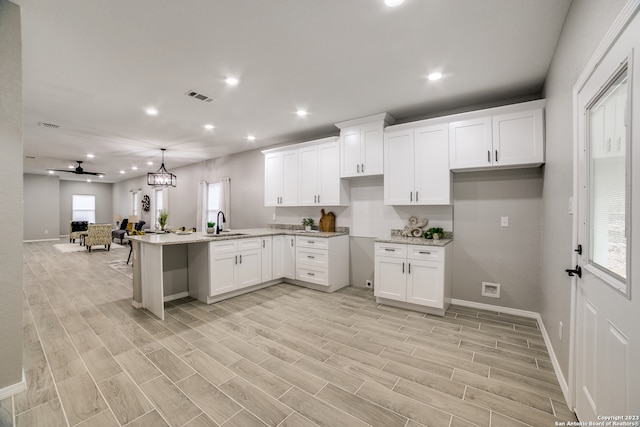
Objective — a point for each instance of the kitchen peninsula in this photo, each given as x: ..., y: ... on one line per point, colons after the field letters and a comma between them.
x: 211, y: 268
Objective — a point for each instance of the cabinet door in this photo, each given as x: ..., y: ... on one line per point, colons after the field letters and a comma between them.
x: 308, y: 176
x: 249, y: 268
x: 518, y: 138
x: 431, y: 170
x: 272, y: 178
x: 425, y: 283
x: 389, y: 278
x: 289, y: 194
x: 277, y: 257
x: 350, y: 152
x: 398, y: 168
x: 289, y: 257
x: 470, y: 144
x: 372, y: 137
x: 329, y: 174
x: 223, y: 267
x: 267, y: 259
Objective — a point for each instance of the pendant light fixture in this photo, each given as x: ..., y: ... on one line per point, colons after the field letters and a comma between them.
x: 162, y: 177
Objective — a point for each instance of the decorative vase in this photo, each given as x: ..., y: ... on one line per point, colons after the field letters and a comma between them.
x: 307, y: 228
x: 211, y: 230
x: 436, y: 236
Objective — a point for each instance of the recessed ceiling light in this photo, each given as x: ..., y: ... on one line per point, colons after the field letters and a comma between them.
x: 100, y: 176
x: 51, y: 172
x: 88, y: 180
x: 151, y: 111
x: 135, y: 168
x: 150, y: 163
x: 434, y: 76
x: 251, y: 137
x: 91, y: 156
x: 301, y: 113
x: 208, y: 126
x: 232, y: 81
x: 121, y: 171
x: 393, y: 3
x: 71, y: 167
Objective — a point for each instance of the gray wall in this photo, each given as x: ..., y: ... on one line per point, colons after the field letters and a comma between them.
x: 485, y: 251
x: 103, y: 193
x: 246, y: 171
x: 586, y: 24
x: 41, y: 213
x: 10, y: 195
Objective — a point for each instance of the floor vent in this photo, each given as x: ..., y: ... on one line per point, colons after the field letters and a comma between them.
x: 201, y: 97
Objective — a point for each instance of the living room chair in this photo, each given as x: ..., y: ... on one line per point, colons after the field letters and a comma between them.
x: 120, y: 233
x: 98, y: 234
x: 76, y: 228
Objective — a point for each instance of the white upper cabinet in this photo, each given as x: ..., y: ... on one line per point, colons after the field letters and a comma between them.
x: 281, y: 178
x: 306, y: 175
x: 319, y: 180
x: 416, y: 168
x: 507, y: 137
x: 361, y: 145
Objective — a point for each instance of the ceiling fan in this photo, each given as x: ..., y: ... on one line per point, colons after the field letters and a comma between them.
x: 78, y: 170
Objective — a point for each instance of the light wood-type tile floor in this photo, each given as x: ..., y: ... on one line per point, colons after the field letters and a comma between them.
x: 281, y: 356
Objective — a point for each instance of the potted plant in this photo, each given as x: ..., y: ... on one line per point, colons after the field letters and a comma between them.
x: 434, y: 233
x: 211, y: 227
x: 307, y: 223
x: 162, y: 218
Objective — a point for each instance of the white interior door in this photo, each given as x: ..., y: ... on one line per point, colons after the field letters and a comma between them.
x: 607, y: 336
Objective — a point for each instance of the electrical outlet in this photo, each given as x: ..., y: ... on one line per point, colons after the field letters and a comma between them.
x: 504, y: 221
x: 368, y: 284
x: 560, y: 327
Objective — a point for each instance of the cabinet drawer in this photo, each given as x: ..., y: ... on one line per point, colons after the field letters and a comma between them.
x: 246, y: 244
x: 224, y: 247
x: 314, y: 275
x: 312, y: 242
x: 314, y: 257
x: 427, y: 253
x: 392, y: 250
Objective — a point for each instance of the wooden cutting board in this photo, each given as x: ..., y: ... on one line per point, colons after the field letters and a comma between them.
x: 327, y: 221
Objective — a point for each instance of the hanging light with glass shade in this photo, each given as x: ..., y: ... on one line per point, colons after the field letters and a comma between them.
x: 162, y: 177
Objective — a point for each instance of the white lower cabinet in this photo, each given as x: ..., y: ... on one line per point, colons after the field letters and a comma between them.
x: 323, y: 261
x: 414, y: 274
x: 267, y: 259
x: 235, y: 264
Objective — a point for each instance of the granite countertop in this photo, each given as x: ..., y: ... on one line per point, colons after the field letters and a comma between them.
x: 414, y: 241
x: 246, y: 233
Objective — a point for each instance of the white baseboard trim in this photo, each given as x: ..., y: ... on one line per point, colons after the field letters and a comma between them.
x: 176, y: 296
x: 499, y: 309
x: 41, y: 240
x: 14, y: 388
x: 531, y: 314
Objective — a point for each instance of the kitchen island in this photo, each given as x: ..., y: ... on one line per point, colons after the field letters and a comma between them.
x: 211, y: 268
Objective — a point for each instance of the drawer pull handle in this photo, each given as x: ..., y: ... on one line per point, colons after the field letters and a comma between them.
x: 310, y: 241
x: 409, y: 268
x: 403, y: 268
x: 310, y: 274
x: 240, y: 259
x: 389, y: 250
x: 311, y: 257
x: 425, y: 252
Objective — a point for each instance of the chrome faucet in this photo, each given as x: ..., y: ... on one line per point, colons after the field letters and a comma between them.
x: 218, y: 229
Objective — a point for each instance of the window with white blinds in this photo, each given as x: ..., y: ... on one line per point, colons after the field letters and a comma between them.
x: 83, y: 208
x: 213, y: 201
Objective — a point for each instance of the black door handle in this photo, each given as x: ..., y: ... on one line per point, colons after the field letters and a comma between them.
x: 578, y: 249
x: 577, y: 271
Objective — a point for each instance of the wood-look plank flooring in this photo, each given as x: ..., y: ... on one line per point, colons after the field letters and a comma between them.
x: 281, y: 356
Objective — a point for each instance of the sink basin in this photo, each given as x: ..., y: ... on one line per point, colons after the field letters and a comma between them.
x: 226, y: 234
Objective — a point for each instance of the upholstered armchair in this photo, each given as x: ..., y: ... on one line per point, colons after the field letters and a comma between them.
x: 76, y: 228
x: 98, y: 234
x: 119, y: 234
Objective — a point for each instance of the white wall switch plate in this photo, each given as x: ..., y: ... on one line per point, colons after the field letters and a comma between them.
x: 504, y: 221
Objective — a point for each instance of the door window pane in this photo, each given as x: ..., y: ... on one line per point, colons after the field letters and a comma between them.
x: 608, y: 169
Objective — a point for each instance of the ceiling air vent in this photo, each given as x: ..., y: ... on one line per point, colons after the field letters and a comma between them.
x: 48, y: 125
x: 201, y: 97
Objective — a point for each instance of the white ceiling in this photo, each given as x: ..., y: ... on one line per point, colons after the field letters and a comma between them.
x: 92, y: 67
